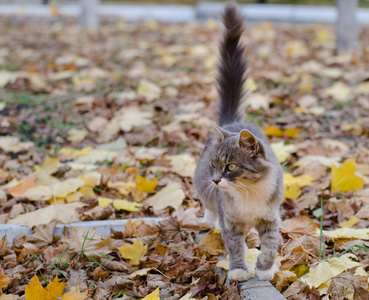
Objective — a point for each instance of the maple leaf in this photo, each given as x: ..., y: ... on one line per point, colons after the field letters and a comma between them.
x: 35, y: 291
x: 292, y: 191
x: 212, y: 243
x: 344, y: 178
x: 133, y: 252
x: 146, y: 185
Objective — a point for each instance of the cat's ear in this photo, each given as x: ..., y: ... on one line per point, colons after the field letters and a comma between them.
x: 248, y: 141
x: 219, y: 132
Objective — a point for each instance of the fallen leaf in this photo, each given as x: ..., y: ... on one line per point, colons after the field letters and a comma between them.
x: 73, y: 295
x: 339, y: 92
x: 64, y: 213
x: 35, y: 291
x: 349, y: 223
x: 146, y: 185
x: 292, y: 191
x: 282, y: 151
x: 119, y: 204
x: 4, y: 280
x: 149, y: 90
x: 77, y: 135
x: 272, y: 131
x: 321, y: 274
x: 257, y: 101
x: 346, y: 233
x: 172, y: 195
x: 212, y: 243
x: 298, y: 226
x: 344, y: 178
x: 153, y: 296
x: 301, y: 181
x: 134, y: 116
x: 133, y: 252
x: 182, y: 164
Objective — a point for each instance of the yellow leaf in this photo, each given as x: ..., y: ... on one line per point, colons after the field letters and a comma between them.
x: 346, y: 233
x: 292, y: 132
x: 301, y: 181
x: 348, y: 224
x: 77, y: 135
x: 320, y: 275
x: 4, y: 280
x: 188, y: 297
x: 282, y: 151
x: 119, y: 204
x: 344, y: 178
x: 133, y: 252
x: 146, y: 185
x: 149, y: 90
x: 292, y: 191
x: 122, y: 204
x: 72, y: 295
x: 251, y: 85
x: 153, y: 296
x: 339, y: 92
x: 35, y: 291
x: 272, y: 131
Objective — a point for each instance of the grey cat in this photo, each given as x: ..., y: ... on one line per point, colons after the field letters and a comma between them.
x: 238, y: 177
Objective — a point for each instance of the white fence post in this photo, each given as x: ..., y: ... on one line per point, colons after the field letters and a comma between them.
x: 89, y: 17
x: 346, y: 26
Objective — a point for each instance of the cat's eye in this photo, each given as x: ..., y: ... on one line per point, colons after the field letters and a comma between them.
x: 231, y: 167
x: 213, y: 164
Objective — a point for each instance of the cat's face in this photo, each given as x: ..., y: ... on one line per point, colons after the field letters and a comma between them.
x: 237, y: 160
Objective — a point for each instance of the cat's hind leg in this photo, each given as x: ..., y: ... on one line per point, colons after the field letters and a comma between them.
x: 269, y: 239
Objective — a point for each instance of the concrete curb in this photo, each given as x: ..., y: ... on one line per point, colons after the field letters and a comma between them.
x: 102, y: 227
x: 187, y: 13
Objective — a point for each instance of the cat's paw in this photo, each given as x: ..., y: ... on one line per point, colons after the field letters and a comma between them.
x: 238, y: 275
x: 265, y: 274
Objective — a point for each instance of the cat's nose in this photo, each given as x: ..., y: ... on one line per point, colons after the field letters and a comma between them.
x: 216, y: 181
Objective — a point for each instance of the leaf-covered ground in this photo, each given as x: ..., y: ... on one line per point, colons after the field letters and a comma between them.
x: 108, y: 125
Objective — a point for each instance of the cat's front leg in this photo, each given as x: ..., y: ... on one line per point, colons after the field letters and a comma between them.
x: 269, y: 239
x: 234, y: 239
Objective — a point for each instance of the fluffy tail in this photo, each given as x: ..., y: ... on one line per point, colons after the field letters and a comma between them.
x: 231, y: 69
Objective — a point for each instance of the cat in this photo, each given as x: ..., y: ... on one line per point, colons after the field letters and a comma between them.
x: 238, y: 178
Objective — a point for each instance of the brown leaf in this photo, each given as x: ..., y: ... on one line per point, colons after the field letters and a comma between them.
x: 340, y: 283
x: 231, y: 293
x: 212, y: 243
x: 99, y: 273
x: 115, y: 265
x: 298, y: 226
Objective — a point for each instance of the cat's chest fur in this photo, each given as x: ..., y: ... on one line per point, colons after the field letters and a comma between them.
x: 249, y: 205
